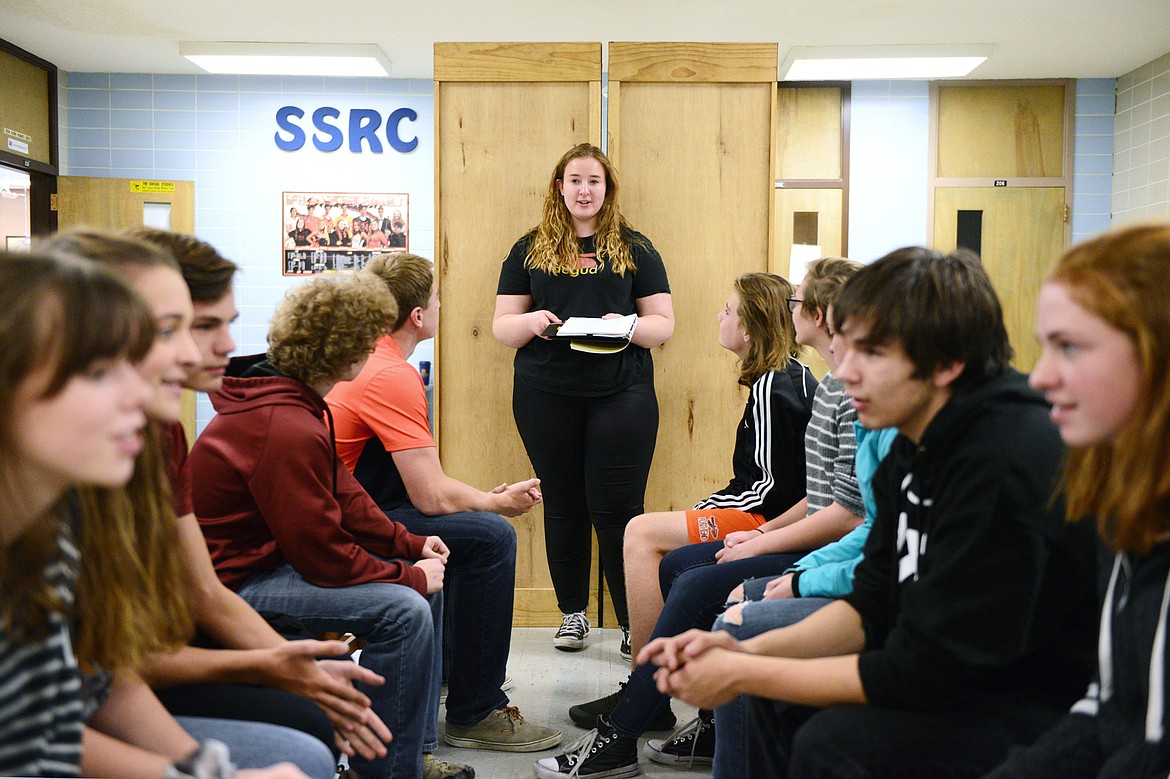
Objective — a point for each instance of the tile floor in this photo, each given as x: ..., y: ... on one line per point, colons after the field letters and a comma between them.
x: 547, y: 682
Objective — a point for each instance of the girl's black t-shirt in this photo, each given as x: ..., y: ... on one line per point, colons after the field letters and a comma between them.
x: 591, y: 289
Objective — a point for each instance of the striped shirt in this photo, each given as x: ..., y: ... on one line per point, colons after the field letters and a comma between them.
x: 40, y: 689
x: 830, y: 448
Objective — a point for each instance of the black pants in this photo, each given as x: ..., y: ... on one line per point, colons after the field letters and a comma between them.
x: 592, y: 456
x: 866, y: 742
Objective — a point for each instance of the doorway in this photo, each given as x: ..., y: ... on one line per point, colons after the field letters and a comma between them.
x: 15, y: 209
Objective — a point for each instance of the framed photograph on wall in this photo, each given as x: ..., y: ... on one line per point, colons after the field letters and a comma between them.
x: 339, y: 232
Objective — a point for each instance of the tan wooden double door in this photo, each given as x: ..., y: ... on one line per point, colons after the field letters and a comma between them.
x: 689, y: 129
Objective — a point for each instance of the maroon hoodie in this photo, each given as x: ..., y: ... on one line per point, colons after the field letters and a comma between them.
x: 272, y: 490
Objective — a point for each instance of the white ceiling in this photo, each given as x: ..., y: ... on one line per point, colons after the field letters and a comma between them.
x: 1031, y: 38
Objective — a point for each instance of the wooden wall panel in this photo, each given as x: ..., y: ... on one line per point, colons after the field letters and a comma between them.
x: 497, y: 142
x: 692, y: 62
x: 491, y: 62
x: 808, y: 133
x: 694, y: 156
x: 1001, y: 131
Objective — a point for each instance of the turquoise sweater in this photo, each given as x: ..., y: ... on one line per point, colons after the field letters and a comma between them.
x: 828, y: 571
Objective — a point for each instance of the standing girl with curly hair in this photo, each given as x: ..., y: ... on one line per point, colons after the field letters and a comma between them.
x: 588, y: 421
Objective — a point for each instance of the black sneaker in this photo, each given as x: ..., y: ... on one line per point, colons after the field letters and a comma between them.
x: 584, y: 715
x: 571, y: 635
x: 692, y: 744
x: 624, y: 649
x: 602, y: 753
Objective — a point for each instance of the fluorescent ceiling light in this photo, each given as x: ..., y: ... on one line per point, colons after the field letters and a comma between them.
x: 289, y: 59
x: 859, y: 63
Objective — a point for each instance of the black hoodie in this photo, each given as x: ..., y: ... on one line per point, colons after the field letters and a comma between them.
x: 974, y: 593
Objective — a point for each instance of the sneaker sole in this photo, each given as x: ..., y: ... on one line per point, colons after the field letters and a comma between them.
x: 504, y: 746
x: 653, y: 750
x: 569, y: 644
x: 614, y: 773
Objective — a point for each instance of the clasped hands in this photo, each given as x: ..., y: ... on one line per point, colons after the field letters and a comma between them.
x: 695, y: 666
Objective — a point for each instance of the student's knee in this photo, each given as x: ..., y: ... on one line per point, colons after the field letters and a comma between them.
x: 408, y: 617
x: 497, y: 532
x: 638, y: 534
x: 648, y: 533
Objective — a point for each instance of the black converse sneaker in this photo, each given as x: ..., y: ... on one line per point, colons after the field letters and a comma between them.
x: 624, y: 649
x: 571, y: 635
x: 584, y: 715
x: 692, y: 744
x: 602, y: 753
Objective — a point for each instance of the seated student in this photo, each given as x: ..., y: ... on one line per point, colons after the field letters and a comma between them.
x: 72, y: 406
x: 964, y: 633
x: 768, y: 473
x: 1104, y: 328
x: 154, y: 534
x: 291, y: 530
x: 815, y: 580
x: 253, y: 679
x: 763, y: 488
x: 380, y: 423
x: 834, y: 507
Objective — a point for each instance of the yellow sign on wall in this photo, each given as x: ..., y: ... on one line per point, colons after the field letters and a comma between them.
x: 163, y: 187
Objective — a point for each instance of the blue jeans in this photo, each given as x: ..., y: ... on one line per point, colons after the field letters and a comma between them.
x: 403, y: 631
x: 259, y: 744
x: 694, y: 589
x: 759, y: 616
x: 479, y: 587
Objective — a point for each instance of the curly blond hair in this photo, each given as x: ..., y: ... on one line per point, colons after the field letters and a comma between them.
x: 324, y: 326
x: 554, y: 245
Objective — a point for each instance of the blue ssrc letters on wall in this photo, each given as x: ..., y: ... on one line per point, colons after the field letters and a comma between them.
x: 364, y: 124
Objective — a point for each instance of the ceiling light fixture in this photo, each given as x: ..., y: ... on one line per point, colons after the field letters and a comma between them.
x: 860, y: 63
x: 289, y: 59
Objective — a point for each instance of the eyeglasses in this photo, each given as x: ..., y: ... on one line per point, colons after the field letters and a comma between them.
x: 792, y: 304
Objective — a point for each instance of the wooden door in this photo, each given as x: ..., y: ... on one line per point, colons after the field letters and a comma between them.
x: 123, y: 204
x: 1019, y: 233
x: 504, y: 115
x: 690, y: 131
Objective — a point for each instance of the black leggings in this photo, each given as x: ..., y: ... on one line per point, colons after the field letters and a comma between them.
x: 592, y: 456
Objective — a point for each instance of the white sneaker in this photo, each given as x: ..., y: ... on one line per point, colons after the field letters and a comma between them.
x: 572, y: 633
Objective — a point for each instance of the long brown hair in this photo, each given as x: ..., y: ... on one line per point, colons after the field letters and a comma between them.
x: 65, y: 314
x: 1121, y: 277
x: 763, y: 312
x: 554, y: 245
x: 133, y: 587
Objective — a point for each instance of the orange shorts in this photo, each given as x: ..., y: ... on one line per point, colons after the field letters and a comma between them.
x: 715, y: 524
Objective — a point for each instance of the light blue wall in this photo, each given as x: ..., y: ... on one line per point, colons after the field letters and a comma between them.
x: 1093, y: 157
x: 889, y: 140
x: 218, y: 131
